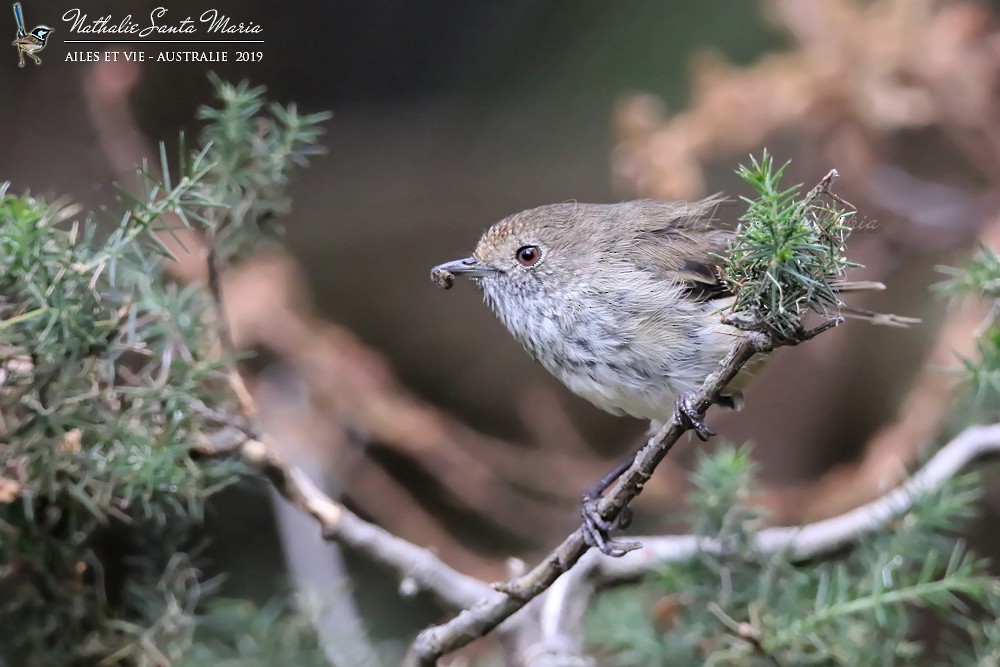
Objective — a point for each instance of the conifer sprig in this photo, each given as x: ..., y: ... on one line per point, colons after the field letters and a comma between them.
x: 788, y: 250
x: 110, y: 376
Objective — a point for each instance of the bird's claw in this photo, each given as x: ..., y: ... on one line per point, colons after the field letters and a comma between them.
x: 596, y: 528
x: 695, y: 418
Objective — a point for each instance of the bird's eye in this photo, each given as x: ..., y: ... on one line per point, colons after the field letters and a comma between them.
x: 529, y: 255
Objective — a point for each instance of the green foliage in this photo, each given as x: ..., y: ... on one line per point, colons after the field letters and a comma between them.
x: 235, y: 633
x: 100, y: 400
x: 109, y: 377
x: 787, y: 251
x: 980, y: 276
x: 980, y: 374
x: 752, y: 608
x: 253, y: 147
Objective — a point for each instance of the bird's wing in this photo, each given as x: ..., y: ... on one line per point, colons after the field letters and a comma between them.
x: 702, y: 281
x: 680, y: 242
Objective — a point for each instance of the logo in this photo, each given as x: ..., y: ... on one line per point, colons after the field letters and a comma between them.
x: 29, y: 43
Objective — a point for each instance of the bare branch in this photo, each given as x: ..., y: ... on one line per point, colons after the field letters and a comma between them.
x: 829, y: 534
x: 488, y: 613
x: 572, y: 591
x: 420, y: 567
x: 561, y: 640
x: 323, y: 581
x: 416, y: 564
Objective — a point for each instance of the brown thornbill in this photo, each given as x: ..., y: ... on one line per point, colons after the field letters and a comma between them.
x: 621, y: 302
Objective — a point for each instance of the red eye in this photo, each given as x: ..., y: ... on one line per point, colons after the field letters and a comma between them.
x: 529, y: 254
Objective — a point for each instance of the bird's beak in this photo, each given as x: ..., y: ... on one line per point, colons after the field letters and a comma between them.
x: 469, y: 266
x: 443, y: 275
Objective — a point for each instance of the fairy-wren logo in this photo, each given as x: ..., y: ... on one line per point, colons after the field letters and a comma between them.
x: 29, y: 43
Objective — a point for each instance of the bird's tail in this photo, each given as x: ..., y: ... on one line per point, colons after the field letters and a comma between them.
x: 885, y: 319
x: 19, y: 17
x: 857, y: 286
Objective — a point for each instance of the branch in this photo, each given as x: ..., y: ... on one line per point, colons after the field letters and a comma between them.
x: 571, y: 592
x: 487, y: 613
x: 415, y: 564
x: 320, y: 574
x: 418, y: 566
x: 829, y: 534
x: 356, y: 393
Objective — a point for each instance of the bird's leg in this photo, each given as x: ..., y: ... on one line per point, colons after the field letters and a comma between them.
x: 595, y: 526
x: 695, y: 418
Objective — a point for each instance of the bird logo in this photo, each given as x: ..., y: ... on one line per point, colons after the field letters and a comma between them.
x: 29, y: 43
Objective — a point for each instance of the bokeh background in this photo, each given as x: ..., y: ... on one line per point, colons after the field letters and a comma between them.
x: 414, y: 404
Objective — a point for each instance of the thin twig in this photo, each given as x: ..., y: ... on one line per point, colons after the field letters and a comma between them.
x: 215, y: 268
x: 320, y: 574
x: 420, y: 566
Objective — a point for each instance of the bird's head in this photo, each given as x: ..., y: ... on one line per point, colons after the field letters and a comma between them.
x: 558, y: 261
x: 564, y: 247
x: 41, y: 32
x: 541, y: 253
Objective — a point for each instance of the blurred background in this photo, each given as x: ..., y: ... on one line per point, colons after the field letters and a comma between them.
x: 414, y: 404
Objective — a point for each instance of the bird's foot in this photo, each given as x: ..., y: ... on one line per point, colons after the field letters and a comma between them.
x: 596, y: 528
x: 695, y: 418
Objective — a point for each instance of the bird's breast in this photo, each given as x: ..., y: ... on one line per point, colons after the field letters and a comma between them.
x: 621, y: 361
x: 596, y: 359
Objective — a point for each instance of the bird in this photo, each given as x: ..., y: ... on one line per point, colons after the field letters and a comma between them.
x: 621, y: 302
x: 31, y: 43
